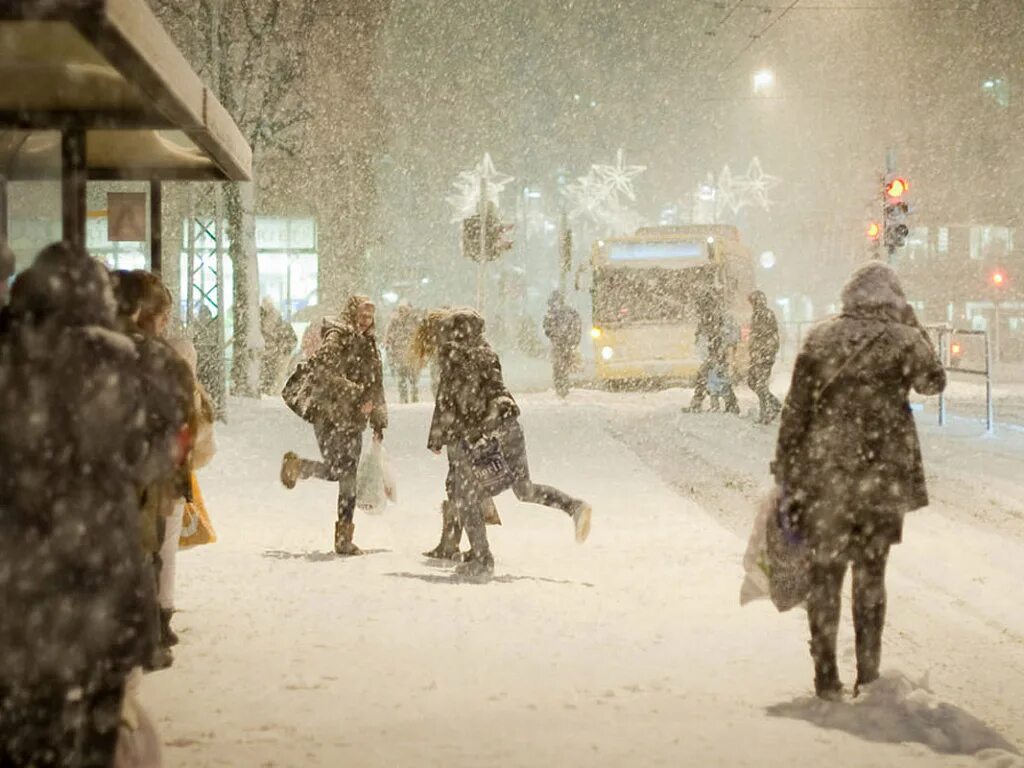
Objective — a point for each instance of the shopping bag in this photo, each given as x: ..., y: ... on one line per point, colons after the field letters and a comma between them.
x: 372, y: 480
x: 755, y: 559
x: 196, y: 528
x: 488, y: 465
x: 787, y: 554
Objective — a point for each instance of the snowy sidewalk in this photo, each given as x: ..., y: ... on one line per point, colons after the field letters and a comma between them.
x: 628, y: 650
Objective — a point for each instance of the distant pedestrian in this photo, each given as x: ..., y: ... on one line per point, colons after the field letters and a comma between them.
x: 279, y: 342
x: 715, y: 332
x: 764, y: 348
x: 474, y: 408
x: 563, y: 328
x: 848, y: 459
x: 347, y: 394
x: 402, y: 359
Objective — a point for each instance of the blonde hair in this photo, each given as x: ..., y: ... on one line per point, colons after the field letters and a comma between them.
x: 427, y: 336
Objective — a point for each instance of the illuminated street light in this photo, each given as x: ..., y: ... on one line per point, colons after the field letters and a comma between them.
x: 763, y: 80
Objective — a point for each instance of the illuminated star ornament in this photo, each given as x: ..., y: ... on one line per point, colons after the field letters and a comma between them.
x: 738, y: 192
x: 619, y: 177
x: 466, y: 199
x: 758, y: 183
x: 595, y: 197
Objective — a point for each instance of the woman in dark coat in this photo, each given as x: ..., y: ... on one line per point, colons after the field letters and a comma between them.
x: 473, y: 403
x: 77, y: 594
x: 350, y: 393
x: 848, y: 457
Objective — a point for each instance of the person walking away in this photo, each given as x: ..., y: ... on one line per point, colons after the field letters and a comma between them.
x: 349, y: 394
x: 712, y: 330
x: 398, y: 343
x: 279, y: 341
x: 764, y: 348
x: 563, y: 328
x: 78, y: 595
x: 473, y: 404
x: 848, y: 459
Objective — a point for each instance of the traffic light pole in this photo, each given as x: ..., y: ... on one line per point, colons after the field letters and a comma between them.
x: 481, y: 286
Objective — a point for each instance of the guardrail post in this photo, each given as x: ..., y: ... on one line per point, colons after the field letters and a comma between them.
x: 990, y: 417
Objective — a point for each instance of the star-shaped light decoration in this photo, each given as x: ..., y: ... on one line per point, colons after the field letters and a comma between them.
x: 758, y: 183
x: 619, y: 177
x: 586, y: 197
x: 466, y: 199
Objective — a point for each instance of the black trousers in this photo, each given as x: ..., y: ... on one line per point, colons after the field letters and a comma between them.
x: 757, y: 379
x: 340, y: 449
x: 823, y: 606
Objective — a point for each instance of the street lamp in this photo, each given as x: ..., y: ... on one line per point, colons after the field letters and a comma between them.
x: 764, y: 79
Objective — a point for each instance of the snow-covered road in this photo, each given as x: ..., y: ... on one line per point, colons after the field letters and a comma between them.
x: 628, y: 650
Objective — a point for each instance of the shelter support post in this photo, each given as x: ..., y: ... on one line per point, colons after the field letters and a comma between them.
x: 156, y: 227
x: 73, y: 181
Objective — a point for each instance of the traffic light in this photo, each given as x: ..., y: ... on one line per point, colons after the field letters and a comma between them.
x: 895, y: 211
x: 997, y: 278
x: 496, y: 238
x: 874, y: 231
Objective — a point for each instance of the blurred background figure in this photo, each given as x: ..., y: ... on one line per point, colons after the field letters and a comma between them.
x: 764, y: 348
x: 563, y: 328
x: 403, y: 361
x: 279, y: 341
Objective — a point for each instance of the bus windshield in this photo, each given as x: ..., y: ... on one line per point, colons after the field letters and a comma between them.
x: 652, y: 295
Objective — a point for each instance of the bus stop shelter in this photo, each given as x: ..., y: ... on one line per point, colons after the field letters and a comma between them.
x: 97, y: 90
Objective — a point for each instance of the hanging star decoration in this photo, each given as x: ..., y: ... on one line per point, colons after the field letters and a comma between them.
x: 619, y: 177
x: 739, y: 192
x: 466, y: 199
x: 595, y: 197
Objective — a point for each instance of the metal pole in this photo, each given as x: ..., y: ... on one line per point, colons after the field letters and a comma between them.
x: 73, y: 181
x: 990, y: 417
x: 4, y: 222
x: 482, y: 212
x: 190, y: 310
x: 944, y: 357
x: 156, y: 228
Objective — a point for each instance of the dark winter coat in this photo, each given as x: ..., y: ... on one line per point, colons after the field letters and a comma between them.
x: 349, y: 374
x: 764, y: 336
x: 848, y: 453
x: 77, y: 599
x: 562, y: 325
x: 472, y: 399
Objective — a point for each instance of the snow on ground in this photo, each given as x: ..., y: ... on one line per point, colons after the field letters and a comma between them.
x: 628, y: 650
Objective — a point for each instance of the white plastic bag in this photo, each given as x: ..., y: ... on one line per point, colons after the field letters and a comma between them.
x: 375, y: 480
x: 755, y: 559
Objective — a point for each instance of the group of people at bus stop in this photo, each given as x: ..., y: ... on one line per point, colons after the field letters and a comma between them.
x: 100, y: 419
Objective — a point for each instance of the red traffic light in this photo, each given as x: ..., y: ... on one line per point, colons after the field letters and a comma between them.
x: 998, y: 278
x: 896, y: 188
x: 874, y: 230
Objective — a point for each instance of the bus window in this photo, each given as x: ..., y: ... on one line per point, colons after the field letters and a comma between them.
x: 652, y: 295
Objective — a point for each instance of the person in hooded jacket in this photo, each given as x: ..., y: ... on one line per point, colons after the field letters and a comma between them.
x: 713, y: 329
x: 279, y: 341
x: 848, y: 459
x: 563, y: 328
x: 350, y: 395
x: 473, y: 403
x: 77, y: 594
x: 764, y: 348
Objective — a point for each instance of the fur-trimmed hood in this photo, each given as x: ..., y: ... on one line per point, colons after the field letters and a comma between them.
x: 872, y: 288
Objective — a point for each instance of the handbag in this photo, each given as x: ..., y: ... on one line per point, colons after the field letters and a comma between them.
x: 196, y: 528
x: 787, y: 556
x: 301, y: 393
x: 488, y: 465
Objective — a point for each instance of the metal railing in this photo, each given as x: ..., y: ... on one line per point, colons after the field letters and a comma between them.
x: 945, y: 334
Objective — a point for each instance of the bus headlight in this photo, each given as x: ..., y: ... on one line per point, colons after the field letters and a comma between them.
x: 607, y: 353
x: 596, y: 333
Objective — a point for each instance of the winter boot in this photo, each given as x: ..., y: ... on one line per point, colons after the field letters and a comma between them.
x: 451, y: 535
x: 289, y: 469
x: 168, y: 637
x: 581, y: 512
x: 479, y: 568
x: 343, y: 544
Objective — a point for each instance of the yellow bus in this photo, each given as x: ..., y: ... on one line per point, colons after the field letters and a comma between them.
x: 646, y: 289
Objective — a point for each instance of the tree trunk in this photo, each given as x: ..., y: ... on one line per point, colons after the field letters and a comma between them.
x: 248, y: 342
